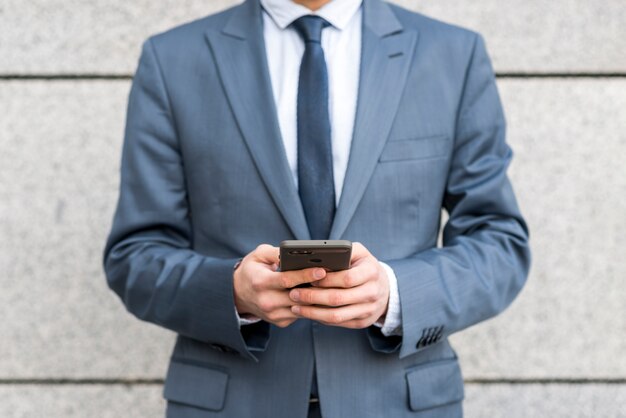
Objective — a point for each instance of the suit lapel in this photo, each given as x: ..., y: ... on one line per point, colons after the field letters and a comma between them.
x: 239, y: 51
x: 386, y: 53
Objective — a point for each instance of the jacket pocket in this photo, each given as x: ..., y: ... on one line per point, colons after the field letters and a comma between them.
x: 194, y: 385
x: 435, y: 384
x: 415, y: 148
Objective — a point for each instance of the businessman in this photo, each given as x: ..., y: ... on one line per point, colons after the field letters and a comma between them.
x: 315, y: 119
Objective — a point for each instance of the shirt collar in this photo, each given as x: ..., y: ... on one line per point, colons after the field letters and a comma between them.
x: 337, y: 12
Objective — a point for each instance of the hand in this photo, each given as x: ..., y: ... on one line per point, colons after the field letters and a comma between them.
x: 353, y: 298
x: 262, y: 291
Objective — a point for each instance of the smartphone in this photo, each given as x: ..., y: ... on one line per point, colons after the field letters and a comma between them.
x: 332, y: 255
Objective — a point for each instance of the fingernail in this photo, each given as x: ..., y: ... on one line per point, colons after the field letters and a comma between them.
x: 295, y: 295
x: 319, y: 273
x: 295, y: 309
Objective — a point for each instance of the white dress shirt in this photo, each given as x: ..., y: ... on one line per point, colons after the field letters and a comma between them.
x: 341, y: 43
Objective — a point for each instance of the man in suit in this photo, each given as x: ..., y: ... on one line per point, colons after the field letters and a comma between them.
x: 344, y: 119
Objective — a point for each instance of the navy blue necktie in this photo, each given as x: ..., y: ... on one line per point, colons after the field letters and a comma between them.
x: 315, y: 158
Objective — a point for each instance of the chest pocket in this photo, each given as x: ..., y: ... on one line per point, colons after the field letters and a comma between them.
x: 433, y: 146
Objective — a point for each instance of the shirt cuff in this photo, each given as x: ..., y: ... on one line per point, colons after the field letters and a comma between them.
x: 392, y: 324
x: 246, y: 319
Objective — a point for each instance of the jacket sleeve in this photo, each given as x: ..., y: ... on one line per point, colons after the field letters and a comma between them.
x: 485, y: 257
x: 148, y: 259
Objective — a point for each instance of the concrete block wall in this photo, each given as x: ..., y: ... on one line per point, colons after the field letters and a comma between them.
x: 69, y: 349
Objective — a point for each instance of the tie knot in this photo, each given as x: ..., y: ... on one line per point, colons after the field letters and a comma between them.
x: 310, y: 27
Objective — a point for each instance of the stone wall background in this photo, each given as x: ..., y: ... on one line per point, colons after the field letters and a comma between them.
x: 69, y: 349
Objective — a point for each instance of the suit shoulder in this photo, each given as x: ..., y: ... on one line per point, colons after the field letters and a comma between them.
x: 186, y: 34
x: 436, y: 30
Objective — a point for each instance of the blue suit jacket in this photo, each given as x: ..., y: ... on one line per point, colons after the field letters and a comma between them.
x: 205, y: 180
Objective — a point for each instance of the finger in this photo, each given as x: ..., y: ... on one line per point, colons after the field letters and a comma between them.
x: 289, y: 279
x: 357, y: 323
x: 285, y: 323
x: 267, y: 254
x: 335, y: 316
x: 358, y: 274
x: 366, y: 293
x: 358, y: 251
x: 272, y: 300
x: 280, y: 315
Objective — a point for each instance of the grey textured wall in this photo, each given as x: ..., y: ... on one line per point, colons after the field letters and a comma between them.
x: 68, y: 348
